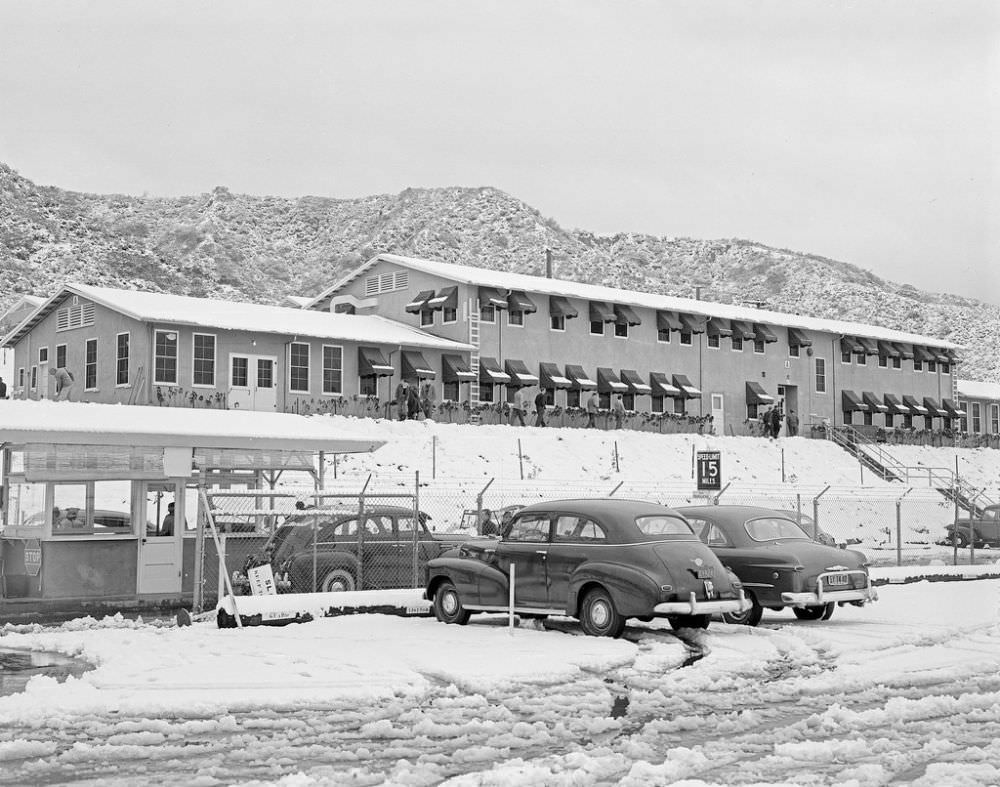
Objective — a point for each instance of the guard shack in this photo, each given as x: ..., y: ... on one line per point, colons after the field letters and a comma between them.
x: 102, y: 505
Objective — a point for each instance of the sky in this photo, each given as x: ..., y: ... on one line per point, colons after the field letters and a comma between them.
x: 860, y: 131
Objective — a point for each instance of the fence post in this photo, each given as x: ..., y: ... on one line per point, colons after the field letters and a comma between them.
x: 520, y: 458
x: 479, y: 507
x: 510, y: 600
x: 417, y: 524
x: 899, y: 527
x: 782, y: 465
x: 798, y: 505
x: 816, y: 511
x: 617, y: 467
x: 434, y: 454
x: 954, y: 540
x: 361, y: 533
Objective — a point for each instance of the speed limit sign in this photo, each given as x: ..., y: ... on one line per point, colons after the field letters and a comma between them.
x: 709, y: 469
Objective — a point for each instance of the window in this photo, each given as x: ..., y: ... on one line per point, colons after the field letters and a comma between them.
x: 386, y: 282
x: 995, y: 419
x: 92, y: 508
x: 165, y: 358
x: 121, y: 359
x: 488, y: 313
x: 897, y: 363
x: 239, y: 376
x: 862, y: 359
x: 686, y: 338
x: 533, y: 527
x: 597, y: 328
x: 628, y: 401
x: 76, y: 315
x: 550, y: 397
x: 945, y: 368
x: 90, y: 366
x: 889, y: 419
x: 931, y: 366
x: 867, y: 418
x: 515, y: 318
x: 604, y: 401
x: 451, y: 391
x: 928, y: 422
x: 333, y: 369
x: 574, y: 528
x: 663, y: 526
x: 793, y: 350
x: 298, y: 367
x: 449, y: 314
x: 203, y: 359
x: 43, y: 355
x: 713, y: 341
x: 426, y: 317
x: 848, y: 417
x: 977, y: 417
x: 883, y: 362
x: 758, y: 346
x: 621, y: 330
x: 737, y: 342
x: 917, y: 365
x: 61, y: 356
x: 34, y: 377
x: 663, y: 335
x: 679, y: 406
x: 368, y: 386
x: 486, y: 392
x: 20, y: 377
x: 846, y: 357
x: 573, y: 397
x: 820, y: 375
x: 557, y: 322
x: 908, y: 420
x: 656, y: 403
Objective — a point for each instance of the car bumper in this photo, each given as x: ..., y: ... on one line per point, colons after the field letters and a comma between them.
x: 824, y: 595
x: 694, y: 607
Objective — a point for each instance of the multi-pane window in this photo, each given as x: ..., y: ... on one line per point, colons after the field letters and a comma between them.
x: 867, y: 418
x: 713, y: 340
x: 597, y: 327
x: 628, y: 401
x: 663, y: 335
x: 43, y: 355
x: 488, y: 313
x: 515, y: 318
x: 333, y: 369
x: 34, y: 377
x: 945, y: 368
x: 679, y: 405
x: 239, y: 374
x: 298, y: 367
x: 995, y: 418
x: 897, y: 362
x: 121, y: 359
x: 604, y: 401
x: 931, y: 366
x: 793, y: 350
x: 889, y: 419
x: 820, y: 375
x: 862, y: 359
x: 621, y: 330
x: 426, y: 317
x: 368, y: 386
x: 557, y: 322
x: 977, y: 417
x: 656, y: 403
x: 908, y: 420
x: 753, y: 410
x: 451, y: 391
x: 90, y: 365
x: 848, y: 417
x: 20, y: 377
x: 737, y: 343
x: 758, y: 346
x: 883, y: 362
x: 449, y: 314
x: 917, y: 365
x: 928, y: 422
x: 550, y: 396
x: 486, y: 392
x: 61, y: 356
x: 165, y: 358
x: 573, y: 397
x: 846, y: 357
x: 686, y: 338
x: 204, y: 359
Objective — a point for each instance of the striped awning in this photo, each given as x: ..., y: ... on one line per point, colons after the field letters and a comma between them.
x: 601, y: 312
x: 419, y: 302
x: 923, y: 354
x: 687, y: 387
x: 691, y: 323
x: 798, y: 338
x: 763, y: 333
x: 561, y: 307
x: 743, y: 330
x: 608, y: 382
x: 849, y: 344
x: 634, y: 382
x: 490, y: 371
x: 446, y: 298
x: 415, y: 365
x: 870, y: 345
x: 875, y: 404
x: 852, y: 402
x: 888, y: 349
x: 933, y: 408
x: 454, y: 369
x: 662, y: 386
x: 905, y: 350
x: 953, y: 409
x: 626, y: 315
x: 371, y: 363
x: 895, y: 406
x: 915, y: 407
x: 667, y: 321
x: 579, y: 377
x: 519, y: 374
x: 756, y: 393
x: 517, y: 301
x: 718, y: 326
x: 551, y: 377
x: 490, y: 296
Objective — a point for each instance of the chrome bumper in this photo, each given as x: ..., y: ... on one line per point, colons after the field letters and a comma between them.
x: 694, y: 607
x: 865, y: 595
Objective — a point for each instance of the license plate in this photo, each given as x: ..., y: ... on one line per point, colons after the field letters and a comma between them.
x: 838, y: 580
x: 709, y: 589
x: 706, y: 573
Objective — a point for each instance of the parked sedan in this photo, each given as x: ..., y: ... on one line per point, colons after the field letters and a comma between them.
x: 378, y: 555
x: 778, y: 565
x: 601, y: 561
x: 984, y: 529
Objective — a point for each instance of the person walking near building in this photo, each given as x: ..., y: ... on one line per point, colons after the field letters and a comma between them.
x: 618, y: 408
x: 427, y: 400
x: 412, y: 402
x: 3, y: 389
x: 792, y: 424
x: 776, y: 419
x: 402, y: 398
x: 517, y: 408
x: 64, y: 383
x: 540, y: 407
x: 592, y: 410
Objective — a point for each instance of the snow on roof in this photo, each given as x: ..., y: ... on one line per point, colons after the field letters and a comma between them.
x: 80, y: 423
x: 252, y: 317
x: 978, y: 390
x: 298, y: 300
x: 486, y: 277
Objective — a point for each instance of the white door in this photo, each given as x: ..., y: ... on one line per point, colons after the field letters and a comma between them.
x: 718, y: 414
x: 160, y: 537
x: 251, y: 382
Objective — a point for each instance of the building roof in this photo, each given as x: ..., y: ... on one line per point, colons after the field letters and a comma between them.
x: 978, y: 390
x: 506, y: 280
x: 176, y: 310
x: 78, y: 423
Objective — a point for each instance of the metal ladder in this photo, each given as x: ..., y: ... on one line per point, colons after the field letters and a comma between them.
x: 473, y: 311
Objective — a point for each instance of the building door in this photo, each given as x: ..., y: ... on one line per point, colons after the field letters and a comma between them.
x: 788, y: 397
x: 160, y: 536
x: 718, y: 413
x: 251, y: 382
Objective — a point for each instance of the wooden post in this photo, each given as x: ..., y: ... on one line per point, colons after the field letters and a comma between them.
x: 617, y: 467
x: 782, y: 465
x: 434, y: 445
x: 520, y: 458
x: 510, y: 600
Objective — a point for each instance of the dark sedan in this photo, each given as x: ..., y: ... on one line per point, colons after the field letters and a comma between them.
x: 778, y: 565
x: 601, y: 561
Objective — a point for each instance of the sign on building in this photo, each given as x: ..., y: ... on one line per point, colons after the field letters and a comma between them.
x: 262, y: 581
x: 32, y: 557
x: 708, y: 470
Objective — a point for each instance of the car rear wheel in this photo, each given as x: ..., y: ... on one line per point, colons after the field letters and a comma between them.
x: 448, y: 605
x: 337, y: 580
x: 813, y: 613
x: 598, y: 615
x: 689, y: 622
x: 750, y: 617
x: 960, y: 539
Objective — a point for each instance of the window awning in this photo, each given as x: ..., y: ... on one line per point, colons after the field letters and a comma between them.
x: 953, y: 410
x: 905, y: 350
x: 849, y: 344
x: 454, y: 369
x: 519, y: 373
x: 667, y: 321
x: 446, y: 298
x: 662, y: 386
x: 922, y: 354
x: 874, y: 403
x: 579, y: 377
x: 895, y: 406
x: 940, y: 355
x: 933, y: 408
x: 798, y: 338
x: 371, y: 363
x: 608, y: 382
x: 687, y: 388
x: 561, y: 307
x: 517, y: 301
x: 870, y: 345
x: 887, y: 350
x: 490, y: 371
x: 552, y: 377
x: 742, y: 330
x: 852, y: 402
x: 626, y: 314
x: 756, y: 394
x: 490, y: 296
x: 915, y: 407
x: 634, y: 382
x: 415, y: 365
x: 718, y: 326
x: 420, y: 301
x: 601, y: 312
x: 763, y: 333
x: 953, y: 356
x: 692, y: 324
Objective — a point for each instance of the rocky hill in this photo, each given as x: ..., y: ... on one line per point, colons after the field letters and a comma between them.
x: 262, y: 248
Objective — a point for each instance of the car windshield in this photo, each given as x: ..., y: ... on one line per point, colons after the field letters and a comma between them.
x: 661, y: 525
x: 773, y: 528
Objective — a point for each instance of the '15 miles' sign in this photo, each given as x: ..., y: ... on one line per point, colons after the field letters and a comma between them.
x: 708, y: 466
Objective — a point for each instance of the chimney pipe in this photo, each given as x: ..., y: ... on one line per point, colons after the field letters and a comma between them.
x: 548, y: 263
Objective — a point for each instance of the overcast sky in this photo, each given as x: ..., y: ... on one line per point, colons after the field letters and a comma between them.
x: 864, y: 131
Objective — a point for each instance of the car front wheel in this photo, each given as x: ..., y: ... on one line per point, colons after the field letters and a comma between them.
x: 750, y: 617
x: 448, y: 605
x: 960, y: 539
x: 598, y: 615
x: 337, y: 580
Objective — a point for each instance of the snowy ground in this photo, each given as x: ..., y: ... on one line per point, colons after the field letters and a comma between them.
x: 904, y: 691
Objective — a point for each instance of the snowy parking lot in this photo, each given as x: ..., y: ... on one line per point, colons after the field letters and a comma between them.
x: 904, y: 691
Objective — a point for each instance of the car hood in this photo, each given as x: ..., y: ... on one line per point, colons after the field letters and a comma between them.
x: 810, y: 554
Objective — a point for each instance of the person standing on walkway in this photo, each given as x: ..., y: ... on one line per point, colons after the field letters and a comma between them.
x: 792, y: 424
x: 592, y: 410
x: 3, y: 389
x: 618, y: 408
x: 427, y: 400
x: 517, y: 408
x: 402, y: 398
x: 540, y: 407
x: 64, y: 383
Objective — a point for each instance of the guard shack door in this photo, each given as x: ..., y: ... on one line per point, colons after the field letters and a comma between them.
x: 161, y: 534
